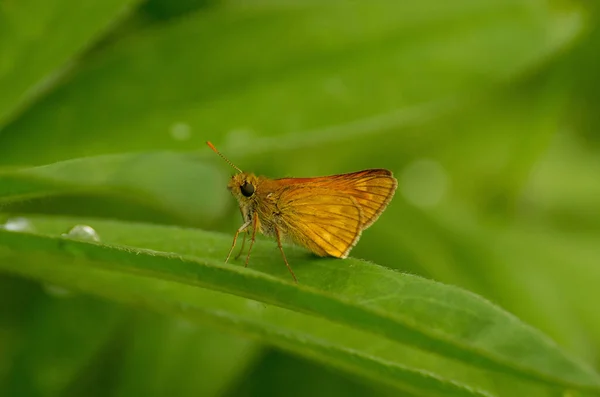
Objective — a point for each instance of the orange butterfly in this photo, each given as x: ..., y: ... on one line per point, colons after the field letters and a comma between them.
x: 324, y: 214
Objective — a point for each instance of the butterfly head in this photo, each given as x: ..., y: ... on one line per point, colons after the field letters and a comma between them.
x: 243, y: 186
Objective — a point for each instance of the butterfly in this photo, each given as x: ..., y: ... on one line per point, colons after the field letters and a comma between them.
x: 326, y: 214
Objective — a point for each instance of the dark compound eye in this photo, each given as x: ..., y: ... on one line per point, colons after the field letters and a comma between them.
x: 247, y: 189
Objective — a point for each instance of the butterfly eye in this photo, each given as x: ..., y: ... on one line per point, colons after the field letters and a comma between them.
x: 247, y: 189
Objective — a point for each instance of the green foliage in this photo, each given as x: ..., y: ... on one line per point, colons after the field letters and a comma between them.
x: 478, y: 280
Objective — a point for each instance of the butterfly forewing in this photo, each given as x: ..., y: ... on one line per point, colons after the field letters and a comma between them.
x: 372, y: 189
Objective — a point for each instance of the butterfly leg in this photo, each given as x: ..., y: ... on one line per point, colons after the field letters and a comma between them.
x: 241, y: 229
x: 254, y: 227
x: 278, y: 234
x: 243, y: 243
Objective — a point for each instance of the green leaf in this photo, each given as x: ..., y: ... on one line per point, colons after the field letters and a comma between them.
x: 277, y: 370
x: 242, y: 71
x: 172, y: 356
x: 55, y: 350
x: 382, y: 303
x: 38, y: 38
x: 178, y: 183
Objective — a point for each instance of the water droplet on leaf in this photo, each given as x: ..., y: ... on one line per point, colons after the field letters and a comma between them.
x: 82, y: 232
x: 17, y: 224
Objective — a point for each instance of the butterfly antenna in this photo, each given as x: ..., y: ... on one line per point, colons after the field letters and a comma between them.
x: 210, y: 145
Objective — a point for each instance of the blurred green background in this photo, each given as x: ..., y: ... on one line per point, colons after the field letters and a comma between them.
x: 487, y: 111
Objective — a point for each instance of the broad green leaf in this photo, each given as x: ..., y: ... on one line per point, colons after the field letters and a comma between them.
x: 166, y: 9
x: 177, y: 182
x: 585, y: 84
x: 40, y: 39
x: 62, y: 336
x: 437, y: 318
x: 277, y: 370
x: 566, y: 278
x: 17, y: 298
x: 243, y: 70
x: 226, y: 310
x: 175, y: 356
x: 241, y: 314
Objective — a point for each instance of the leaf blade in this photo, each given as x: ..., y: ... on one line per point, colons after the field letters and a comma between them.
x: 321, y: 292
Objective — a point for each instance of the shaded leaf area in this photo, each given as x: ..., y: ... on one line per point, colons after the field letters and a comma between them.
x: 437, y: 318
x: 36, y: 46
x: 53, y: 352
x: 161, y: 10
x: 48, y: 356
x: 584, y: 96
x: 180, y: 183
x: 221, y: 313
x: 163, y: 90
x: 295, y: 376
x: 175, y: 356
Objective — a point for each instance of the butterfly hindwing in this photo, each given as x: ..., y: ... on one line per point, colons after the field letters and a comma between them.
x: 325, y: 222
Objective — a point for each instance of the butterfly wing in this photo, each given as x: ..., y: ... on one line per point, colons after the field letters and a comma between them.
x: 372, y: 189
x: 327, y: 214
x: 322, y: 220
